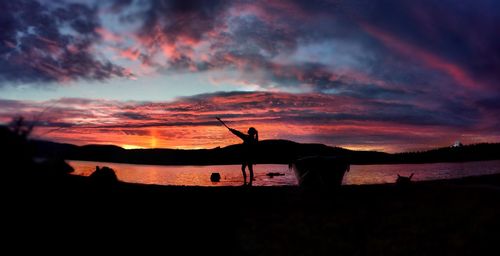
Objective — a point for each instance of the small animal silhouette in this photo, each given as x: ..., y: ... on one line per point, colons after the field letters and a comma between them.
x: 402, y: 180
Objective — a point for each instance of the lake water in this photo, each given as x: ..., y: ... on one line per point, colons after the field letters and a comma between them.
x: 231, y: 174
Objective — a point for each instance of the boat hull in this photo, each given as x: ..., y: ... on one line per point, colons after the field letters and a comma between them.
x: 320, y: 172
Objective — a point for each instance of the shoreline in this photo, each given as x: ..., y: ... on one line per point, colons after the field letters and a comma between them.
x: 359, y: 175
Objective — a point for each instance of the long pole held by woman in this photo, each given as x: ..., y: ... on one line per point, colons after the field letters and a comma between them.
x: 249, y: 142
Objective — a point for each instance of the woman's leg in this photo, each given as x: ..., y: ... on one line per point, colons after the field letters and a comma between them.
x: 244, y: 173
x: 250, y: 169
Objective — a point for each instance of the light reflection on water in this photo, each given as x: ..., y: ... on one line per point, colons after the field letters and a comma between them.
x: 231, y: 174
x: 189, y: 175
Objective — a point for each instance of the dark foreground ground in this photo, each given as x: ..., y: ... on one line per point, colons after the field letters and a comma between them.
x: 73, y: 216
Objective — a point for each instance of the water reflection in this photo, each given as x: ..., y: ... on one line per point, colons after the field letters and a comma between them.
x: 189, y: 175
x: 231, y: 174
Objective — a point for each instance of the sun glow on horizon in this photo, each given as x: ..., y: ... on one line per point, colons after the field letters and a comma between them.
x: 154, y: 140
x: 127, y: 146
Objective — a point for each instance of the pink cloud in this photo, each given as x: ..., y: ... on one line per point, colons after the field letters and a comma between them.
x: 432, y: 61
x: 107, y: 35
x: 9, y: 44
x: 131, y: 54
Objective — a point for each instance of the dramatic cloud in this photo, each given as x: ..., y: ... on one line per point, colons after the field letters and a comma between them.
x: 51, y: 42
x: 402, y: 73
x: 190, y: 122
x: 313, y: 45
x: 418, y: 53
x: 319, y: 44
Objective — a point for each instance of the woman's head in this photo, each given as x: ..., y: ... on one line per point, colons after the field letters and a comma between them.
x: 253, y: 132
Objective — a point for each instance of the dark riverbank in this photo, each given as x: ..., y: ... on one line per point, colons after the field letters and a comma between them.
x: 451, y: 217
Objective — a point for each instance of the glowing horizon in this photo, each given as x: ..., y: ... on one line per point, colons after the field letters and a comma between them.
x: 189, y: 123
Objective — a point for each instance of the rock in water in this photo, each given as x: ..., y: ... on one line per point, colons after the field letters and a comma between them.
x: 272, y: 174
x: 104, y: 175
x: 215, y: 177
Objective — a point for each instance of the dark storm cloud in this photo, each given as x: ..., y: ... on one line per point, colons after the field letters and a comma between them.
x: 50, y: 42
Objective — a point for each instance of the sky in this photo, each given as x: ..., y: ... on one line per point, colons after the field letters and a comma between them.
x: 388, y: 75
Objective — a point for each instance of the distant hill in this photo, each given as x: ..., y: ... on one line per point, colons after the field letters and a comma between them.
x: 268, y: 151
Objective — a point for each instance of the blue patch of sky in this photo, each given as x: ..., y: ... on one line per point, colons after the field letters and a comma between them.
x: 153, y: 88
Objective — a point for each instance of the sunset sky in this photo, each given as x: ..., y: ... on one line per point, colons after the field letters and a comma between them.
x: 391, y: 75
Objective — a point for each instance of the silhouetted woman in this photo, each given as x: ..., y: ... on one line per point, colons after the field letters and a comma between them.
x: 249, y: 142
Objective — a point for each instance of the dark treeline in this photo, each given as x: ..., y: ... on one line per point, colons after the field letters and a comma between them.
x: 268, y: 151
x: 474, y: 152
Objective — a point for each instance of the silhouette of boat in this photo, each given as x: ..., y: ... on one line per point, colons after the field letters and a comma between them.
x: 322, y: 172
